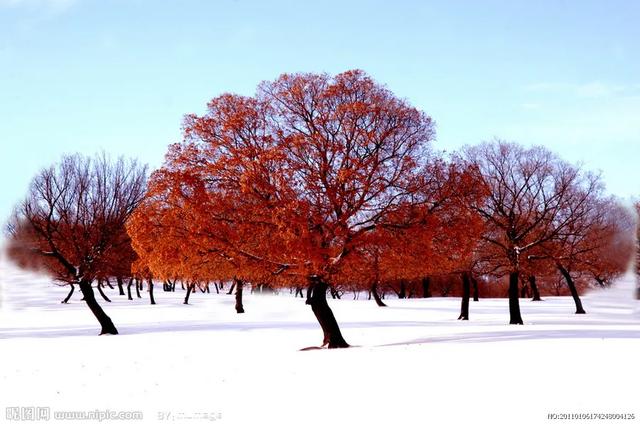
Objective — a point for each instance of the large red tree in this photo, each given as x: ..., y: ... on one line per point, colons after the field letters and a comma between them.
x: 292, y: 182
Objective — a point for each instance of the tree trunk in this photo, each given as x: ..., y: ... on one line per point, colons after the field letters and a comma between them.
x: 120, y: 287
x: 66, y: 299
x: 231, y: 288
x: 402, y: 293
x: 572, y: 288
x: 129, y: 289
x: 466, y: 292
x: 104, y: 296
x: 138, y: 288
x: 474, y: 283
x: 426, y: 287
x: 376, y: 296
x: 334, y: 293
x: 514, y: 302
x: 602, y: 282
x: 524, y: 290
x: 239, y: 307
x: 216, y: 286
x: 153, y: 300
x: 98, y: 312
x: 317, y: 298
x: 534, y: 288
x: 189, y: 290
x: 108, y: 283
x: 299, y: 291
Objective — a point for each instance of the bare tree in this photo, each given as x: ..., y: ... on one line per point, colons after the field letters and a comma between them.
x: 637, y: 264
x: 533, y: 200
x: 71, y: 223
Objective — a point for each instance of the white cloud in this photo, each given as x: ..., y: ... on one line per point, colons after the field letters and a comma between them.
x: 598, y: 89
x: 593, y: 89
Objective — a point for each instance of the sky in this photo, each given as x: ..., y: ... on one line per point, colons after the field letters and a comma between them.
x: 118, y: 75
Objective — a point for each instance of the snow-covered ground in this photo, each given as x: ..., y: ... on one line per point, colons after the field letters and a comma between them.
x: 413, y: 362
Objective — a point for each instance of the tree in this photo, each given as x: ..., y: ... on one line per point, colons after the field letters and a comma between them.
x: 289, y: 183
x: 435, y: 233
x: 71, y: 224
x: 597, y: 243
x: 637, y: 246
x: 534, y: 198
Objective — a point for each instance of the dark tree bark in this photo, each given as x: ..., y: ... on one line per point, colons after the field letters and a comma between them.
x: 66, y: 299
x: 182, y: 284
x: 216, y: 286
x: 190, y: 288
x: 572, y: 288
x: 299, y: 291
x: 402, y: 293
x: 120, y: 285
x: 514, y: 301
x: 104, y: 296
x: 129, y: 284
x: 98, y: 312
x: 334, y: 293
x: 466, y: 293
x: 602, y: 282
x: 233, y: 285
x: 239, y: 308
x: 376, y: 296
x: 474, y: 283
x: 108, y: 283
x: 317, y: 298
x: 426, y: 287
x: 206, y: 287
x: 138, y: 288
x: 534, y: 288
x: 153, y: 300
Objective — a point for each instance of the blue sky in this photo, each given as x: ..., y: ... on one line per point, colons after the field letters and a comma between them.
x: 92, y: 75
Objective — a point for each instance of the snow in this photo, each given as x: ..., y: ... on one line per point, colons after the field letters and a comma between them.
x: 413, y: 361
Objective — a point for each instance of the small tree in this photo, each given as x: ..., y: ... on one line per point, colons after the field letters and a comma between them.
x: 71, y: 224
